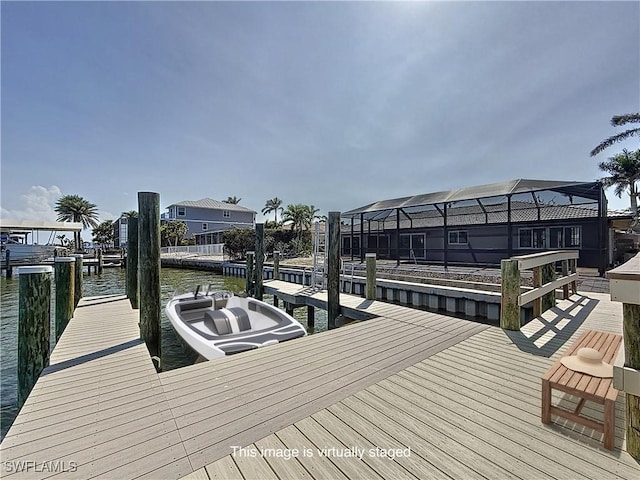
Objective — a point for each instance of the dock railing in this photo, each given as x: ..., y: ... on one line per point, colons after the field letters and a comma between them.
x: 544, y: 283
x: 212, y: 250
x: 624, y: 285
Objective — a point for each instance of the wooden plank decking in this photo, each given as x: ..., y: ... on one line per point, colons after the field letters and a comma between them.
x: 98, y: 409
x: 442, y: 387
x: 469, y: 411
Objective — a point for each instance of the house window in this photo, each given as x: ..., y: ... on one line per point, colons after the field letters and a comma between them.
x: 182, y: 211
x: 552, y: 237
x: 564, y: 237
x: 204, y: 227
x: 533, y: 237
x: 226, y: 213
x: 458, y: 237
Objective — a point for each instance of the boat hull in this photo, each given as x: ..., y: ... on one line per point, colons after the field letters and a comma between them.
x: 216, y: 327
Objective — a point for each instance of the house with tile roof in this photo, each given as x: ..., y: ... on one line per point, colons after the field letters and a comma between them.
x: 484, y: 224
x: 208, y: 218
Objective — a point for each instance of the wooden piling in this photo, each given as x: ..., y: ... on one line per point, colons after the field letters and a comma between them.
x: 288, y: 307
x: 100, y: 265
x: 65, y: 285
x: 624, y: 283
x: 311, y: 318
x: 249, y: 273
x: 7, y: 264
x: 631, y: 329
x: 149, y: 272
x: 77, y: 281
x: 132, y: 262
x: 34, y: 326
x: 259, y: 273
x: 275, y: 301
x: 276, y: 265
x: 371, y: 276
x: 509, y: 308
x: 333, y: 270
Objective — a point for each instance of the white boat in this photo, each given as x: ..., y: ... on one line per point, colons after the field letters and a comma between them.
x: 25, y: 251
x: 14, y: 236
x: 215, y: 324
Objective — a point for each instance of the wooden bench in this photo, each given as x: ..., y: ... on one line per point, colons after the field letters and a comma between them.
x: 586, y: 387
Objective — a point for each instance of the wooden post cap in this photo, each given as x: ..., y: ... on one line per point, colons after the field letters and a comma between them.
x: 34, y: 269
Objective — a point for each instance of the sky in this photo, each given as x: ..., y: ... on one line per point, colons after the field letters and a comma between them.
x: 332, y: 104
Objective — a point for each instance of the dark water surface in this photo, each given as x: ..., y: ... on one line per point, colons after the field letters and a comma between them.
x: 112, y: 281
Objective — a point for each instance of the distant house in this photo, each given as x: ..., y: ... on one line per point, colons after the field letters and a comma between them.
x: 485, y: 224
x: 208, y: 218
x: 120, y: 232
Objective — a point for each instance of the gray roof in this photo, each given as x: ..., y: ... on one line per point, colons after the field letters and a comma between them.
x: 212, y: 204
x: 590, y: 190
x: 488, y: 214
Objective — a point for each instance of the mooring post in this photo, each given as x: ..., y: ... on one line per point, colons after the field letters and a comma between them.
x: 149, y: 265
x: 276, y: 264
x: 7, y: 264
x: 249, y: 273
x: 34, y: 326
x: 509, y: 308
x: 77, y: 281
x: 259, y: 274
x: 288, y: 307
x: 65, y: 285
x: 371, y: 276
x: 624, y: 283
x: 132, y: 261
x: 333, y: 270
x: 275, y: 301
x: 100, y: 264
x: 311, y: 318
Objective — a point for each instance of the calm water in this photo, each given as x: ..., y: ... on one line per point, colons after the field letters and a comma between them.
x: 112, y: 281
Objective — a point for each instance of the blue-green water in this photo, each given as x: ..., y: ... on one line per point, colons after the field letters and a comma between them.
x: 111, y: 281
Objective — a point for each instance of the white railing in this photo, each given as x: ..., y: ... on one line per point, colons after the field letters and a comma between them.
x: 205, y: 250
x: 544, y: 283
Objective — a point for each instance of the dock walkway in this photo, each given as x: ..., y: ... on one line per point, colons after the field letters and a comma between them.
x: 443, y: 392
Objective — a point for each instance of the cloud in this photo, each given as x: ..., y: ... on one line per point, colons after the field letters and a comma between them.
x: 37, y: 203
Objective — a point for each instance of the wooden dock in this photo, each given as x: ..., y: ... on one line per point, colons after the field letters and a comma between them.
x: 455, y: 399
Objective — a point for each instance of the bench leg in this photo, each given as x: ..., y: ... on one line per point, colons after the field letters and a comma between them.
x: 546, y: 402
x: 609, y: 423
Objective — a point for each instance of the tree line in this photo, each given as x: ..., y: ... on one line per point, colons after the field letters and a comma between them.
x: 299, y: 217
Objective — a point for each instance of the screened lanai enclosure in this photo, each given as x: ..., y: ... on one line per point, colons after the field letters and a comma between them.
x: 483, y: 225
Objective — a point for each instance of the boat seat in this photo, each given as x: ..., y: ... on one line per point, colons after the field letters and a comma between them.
x: 217, y: 322
x: 242, y: 318
x: 222, y: 321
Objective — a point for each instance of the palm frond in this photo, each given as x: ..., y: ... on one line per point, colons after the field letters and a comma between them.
x: 618, y: 120
x: 633, y: 132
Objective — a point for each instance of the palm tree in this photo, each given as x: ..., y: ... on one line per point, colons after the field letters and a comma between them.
x: 235, y: 200
x: 617, y: 121
x: 130, y: 214
x: 624, y: 173
x: 273, y: 205
x: 103, y: 234
x: 298, y: 215
x: 73, y: 208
